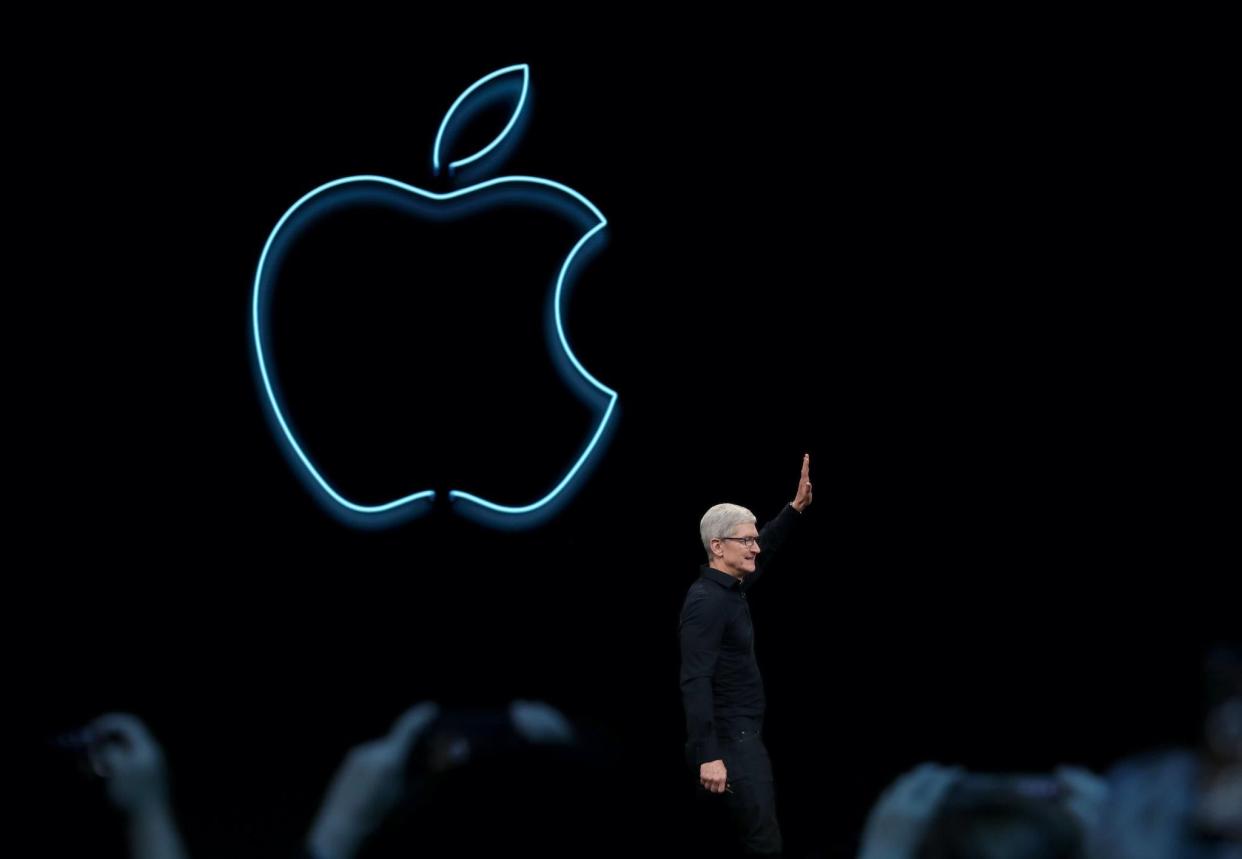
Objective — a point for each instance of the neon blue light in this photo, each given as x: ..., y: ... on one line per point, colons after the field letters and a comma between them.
x: 562, y: 340
x: 382, y: 514
x: 435, y: 152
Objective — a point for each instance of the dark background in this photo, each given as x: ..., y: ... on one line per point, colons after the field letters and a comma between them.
x: 931, y: 271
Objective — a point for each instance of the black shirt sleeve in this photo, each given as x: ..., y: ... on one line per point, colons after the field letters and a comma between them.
x: 701, y: 631
x: 772, y: 536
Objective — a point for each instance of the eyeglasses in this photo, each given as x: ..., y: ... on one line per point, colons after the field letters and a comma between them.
x: 745, y: 541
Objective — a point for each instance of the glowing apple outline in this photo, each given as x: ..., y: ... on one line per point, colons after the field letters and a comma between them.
x: 374, y: 511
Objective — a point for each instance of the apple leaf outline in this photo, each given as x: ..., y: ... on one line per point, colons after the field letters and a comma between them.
x: 462, y: 99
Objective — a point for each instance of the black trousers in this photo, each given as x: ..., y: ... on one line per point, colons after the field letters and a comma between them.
x: 750, y: 801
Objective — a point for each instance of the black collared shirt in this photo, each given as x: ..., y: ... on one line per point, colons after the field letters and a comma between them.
x: 720, y: 682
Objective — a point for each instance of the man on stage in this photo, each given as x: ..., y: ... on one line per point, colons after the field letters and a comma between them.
x: 720, y: 683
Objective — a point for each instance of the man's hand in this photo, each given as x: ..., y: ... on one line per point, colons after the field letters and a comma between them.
x: 903, y: 812
x: 712, y: 776
x: 124, y: 752
x: 803, y: 499
x: 368, y: 786
x: 1086, y: 797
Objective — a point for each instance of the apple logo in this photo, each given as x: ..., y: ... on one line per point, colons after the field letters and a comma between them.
x: 383, y: 192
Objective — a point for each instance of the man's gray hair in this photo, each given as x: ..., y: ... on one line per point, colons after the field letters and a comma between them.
x: 721, y: 521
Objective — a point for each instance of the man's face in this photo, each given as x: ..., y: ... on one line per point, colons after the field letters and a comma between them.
x: 738, y: 558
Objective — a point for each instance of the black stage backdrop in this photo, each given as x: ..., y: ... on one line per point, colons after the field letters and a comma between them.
x: 917, y: 267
